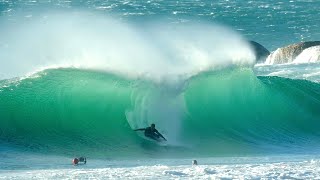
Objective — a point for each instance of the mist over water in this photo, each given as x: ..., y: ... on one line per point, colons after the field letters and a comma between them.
x: 85, y: 40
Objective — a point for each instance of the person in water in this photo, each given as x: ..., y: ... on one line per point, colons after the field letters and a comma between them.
x: 80, y: 160
x: 151, y: 132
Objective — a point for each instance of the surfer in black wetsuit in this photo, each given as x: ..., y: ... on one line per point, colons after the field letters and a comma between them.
x: 151, y: 132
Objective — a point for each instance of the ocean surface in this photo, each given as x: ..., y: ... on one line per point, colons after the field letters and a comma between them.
x: 77, y: 77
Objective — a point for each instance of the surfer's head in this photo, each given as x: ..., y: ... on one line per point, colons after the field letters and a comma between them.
x: 153, y: 126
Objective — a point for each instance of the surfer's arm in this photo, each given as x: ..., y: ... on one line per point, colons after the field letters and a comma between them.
x: 160, y: 135
x: 141, y: 129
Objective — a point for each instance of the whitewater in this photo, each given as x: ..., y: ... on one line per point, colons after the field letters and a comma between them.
x: 77, y: 77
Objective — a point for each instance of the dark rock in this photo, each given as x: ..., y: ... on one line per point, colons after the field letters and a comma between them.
x: 260, y: 51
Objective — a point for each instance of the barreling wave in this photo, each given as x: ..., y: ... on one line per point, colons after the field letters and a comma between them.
x: 96, y: 79
x: 231, y: 111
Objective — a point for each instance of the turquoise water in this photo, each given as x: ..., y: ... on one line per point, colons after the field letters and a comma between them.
x: 229, y: 112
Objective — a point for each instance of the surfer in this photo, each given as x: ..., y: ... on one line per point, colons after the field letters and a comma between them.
x: 151, y: 132
x: 194, y: 162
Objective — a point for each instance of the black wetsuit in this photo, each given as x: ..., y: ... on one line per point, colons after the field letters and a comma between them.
x: 151, y: 133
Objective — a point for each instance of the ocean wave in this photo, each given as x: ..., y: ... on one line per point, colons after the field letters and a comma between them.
x: 73, y: 111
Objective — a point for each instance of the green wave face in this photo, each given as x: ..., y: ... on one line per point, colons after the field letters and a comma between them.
x: 72, y: 111
x: 236, y: 111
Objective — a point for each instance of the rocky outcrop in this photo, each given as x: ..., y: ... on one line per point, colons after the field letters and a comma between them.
x: 289, y: 53
x: 309, y: 55
x: 260, y: 51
